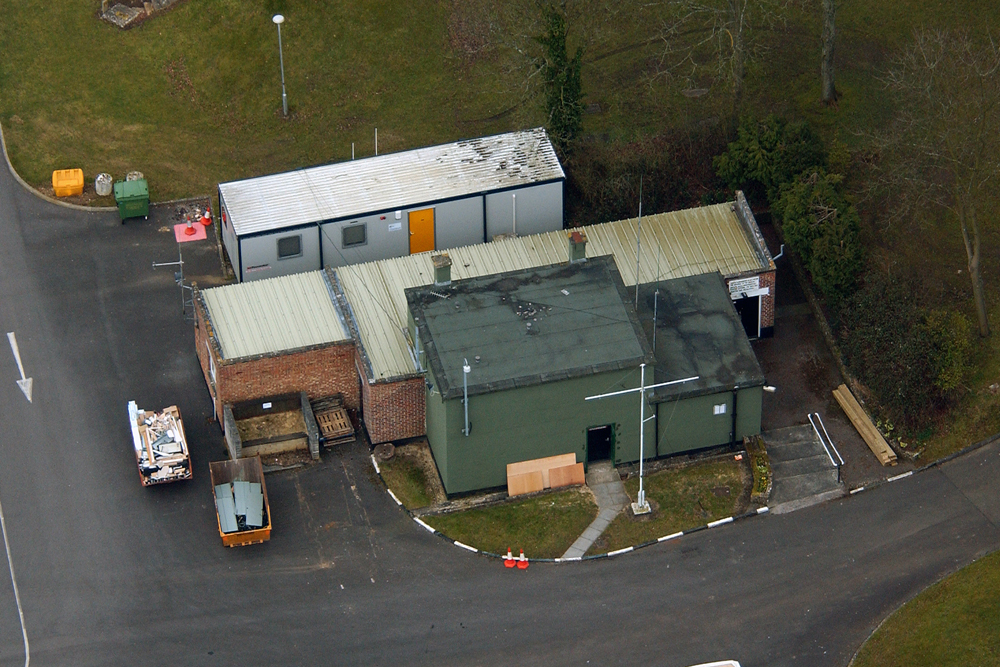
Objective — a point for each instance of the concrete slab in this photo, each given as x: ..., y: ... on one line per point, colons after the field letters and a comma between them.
x: 609, y: 493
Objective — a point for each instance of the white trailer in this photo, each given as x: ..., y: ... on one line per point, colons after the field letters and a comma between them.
x: 392, y: 205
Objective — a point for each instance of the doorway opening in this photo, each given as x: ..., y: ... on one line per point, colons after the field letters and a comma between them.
x: 600, y: 442
x: 748, y: 309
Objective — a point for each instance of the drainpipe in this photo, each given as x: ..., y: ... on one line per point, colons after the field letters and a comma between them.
x: 513, y: 205
x: 466, y: 369
x: 736, y: 393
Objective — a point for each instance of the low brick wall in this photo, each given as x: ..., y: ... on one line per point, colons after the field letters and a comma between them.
x: 394, y: 410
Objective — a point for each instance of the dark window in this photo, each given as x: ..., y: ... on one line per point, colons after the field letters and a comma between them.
x: 355, y: 235
x: 290, y: 246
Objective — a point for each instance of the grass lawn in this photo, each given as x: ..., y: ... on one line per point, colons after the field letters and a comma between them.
x: 954, y: 622
x: 681, y: 499
x: 406, y: 476
x: 544, y: 526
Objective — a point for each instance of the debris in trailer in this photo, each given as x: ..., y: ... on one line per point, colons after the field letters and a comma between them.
x: 160, y: 446
x: 240, y: 506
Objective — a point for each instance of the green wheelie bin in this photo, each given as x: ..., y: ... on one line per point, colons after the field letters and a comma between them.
x: 132, y: 198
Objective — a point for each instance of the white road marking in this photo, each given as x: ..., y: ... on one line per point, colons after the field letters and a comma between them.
x: 17, y: 595
x: 24, y: 383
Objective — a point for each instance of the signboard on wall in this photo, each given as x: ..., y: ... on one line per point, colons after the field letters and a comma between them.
x: 741, y: 285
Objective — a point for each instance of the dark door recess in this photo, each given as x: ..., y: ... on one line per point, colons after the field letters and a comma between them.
x: 599, y: 442
x: 749, y: 312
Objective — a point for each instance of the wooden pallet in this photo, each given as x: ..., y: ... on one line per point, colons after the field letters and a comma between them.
x: 335, y: 426
x: 880, y: 448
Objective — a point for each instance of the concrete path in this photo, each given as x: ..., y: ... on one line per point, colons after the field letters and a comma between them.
x: 803, y: 473
x: 608, y: 490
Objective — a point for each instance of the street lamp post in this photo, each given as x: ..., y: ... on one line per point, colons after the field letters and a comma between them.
x: 278, y: 20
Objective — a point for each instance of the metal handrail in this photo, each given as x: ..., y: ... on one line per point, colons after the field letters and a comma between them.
x: 828, y: 438
x: 822, y: 442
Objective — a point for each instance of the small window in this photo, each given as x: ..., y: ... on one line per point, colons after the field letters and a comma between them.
x: 355, y: 235
x: 290, y: 246
x: 719, y: 409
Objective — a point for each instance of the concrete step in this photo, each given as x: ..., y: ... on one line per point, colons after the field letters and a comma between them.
x: 805, y: 465
x: 790, y: 435
x: 803, y: 486
x: 793, y: 451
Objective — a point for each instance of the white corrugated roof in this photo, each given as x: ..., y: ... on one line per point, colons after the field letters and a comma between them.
x: 274, y: 315
x: 390, y: 181
x: 680, y: 243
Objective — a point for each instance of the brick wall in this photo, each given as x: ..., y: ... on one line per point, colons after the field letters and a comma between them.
x: 767, y: 302
x: 767, y: 279
x: 319, y: 371
x: 394, y: 410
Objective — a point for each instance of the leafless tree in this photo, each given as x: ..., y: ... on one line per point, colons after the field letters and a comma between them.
x: 714, y: 38
x: 942, y: 148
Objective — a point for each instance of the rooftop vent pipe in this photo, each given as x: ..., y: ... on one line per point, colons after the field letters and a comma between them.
x: 577, y: 246
x: 442, y: 269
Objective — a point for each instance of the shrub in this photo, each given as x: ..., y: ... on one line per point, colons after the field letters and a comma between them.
x: 823, y: 229
x: 767, y: 154
x: 887, y: 350
x: 950, y: 336
x: 911, y: 359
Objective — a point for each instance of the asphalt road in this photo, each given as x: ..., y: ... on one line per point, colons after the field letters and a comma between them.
x: 112, y: 573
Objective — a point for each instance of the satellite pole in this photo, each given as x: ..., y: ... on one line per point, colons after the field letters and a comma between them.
x: 641, y: 506
x: 638, y: 240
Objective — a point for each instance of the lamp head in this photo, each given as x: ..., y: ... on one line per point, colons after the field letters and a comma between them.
x: 278, y: 19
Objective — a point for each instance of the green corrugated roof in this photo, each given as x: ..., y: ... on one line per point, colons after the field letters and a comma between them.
x: 697, y: 333
x: 528, y: 327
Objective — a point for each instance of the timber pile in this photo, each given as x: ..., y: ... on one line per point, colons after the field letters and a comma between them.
x: 880, y: 448
x: 335, y: 426
x: 551, y: 472
x: 161, y: 449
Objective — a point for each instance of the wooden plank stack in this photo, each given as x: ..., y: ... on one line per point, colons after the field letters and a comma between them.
x: 883, y: 452
x: 550, y: 472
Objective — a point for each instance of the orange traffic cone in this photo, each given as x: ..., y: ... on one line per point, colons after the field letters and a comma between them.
x: 522, y: 562
x: 206, y: 217
x: 190, y: 231
x: 508, y: 560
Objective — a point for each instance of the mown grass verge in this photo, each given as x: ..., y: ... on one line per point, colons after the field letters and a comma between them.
x: 681, y: 499
x: 953, y: 622
x: 406, y: 476
x: 544, y: 526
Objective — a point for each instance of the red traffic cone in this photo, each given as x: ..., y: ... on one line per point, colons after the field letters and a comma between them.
x: 508, y: 560
x: 522, y: 562
x: 190, y: 231
x: 206, y: 217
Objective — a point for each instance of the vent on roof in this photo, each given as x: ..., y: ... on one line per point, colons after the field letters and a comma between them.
x: 442, y: 269
x: 577, y: 246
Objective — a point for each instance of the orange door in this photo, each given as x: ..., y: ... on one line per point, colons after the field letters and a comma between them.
x: 421, y: 230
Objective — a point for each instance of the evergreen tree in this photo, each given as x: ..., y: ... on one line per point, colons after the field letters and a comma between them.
x: 563, y: 87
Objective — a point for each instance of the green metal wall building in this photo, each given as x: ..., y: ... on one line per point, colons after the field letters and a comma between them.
x: 539, y: 341
x: 695, y: 331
